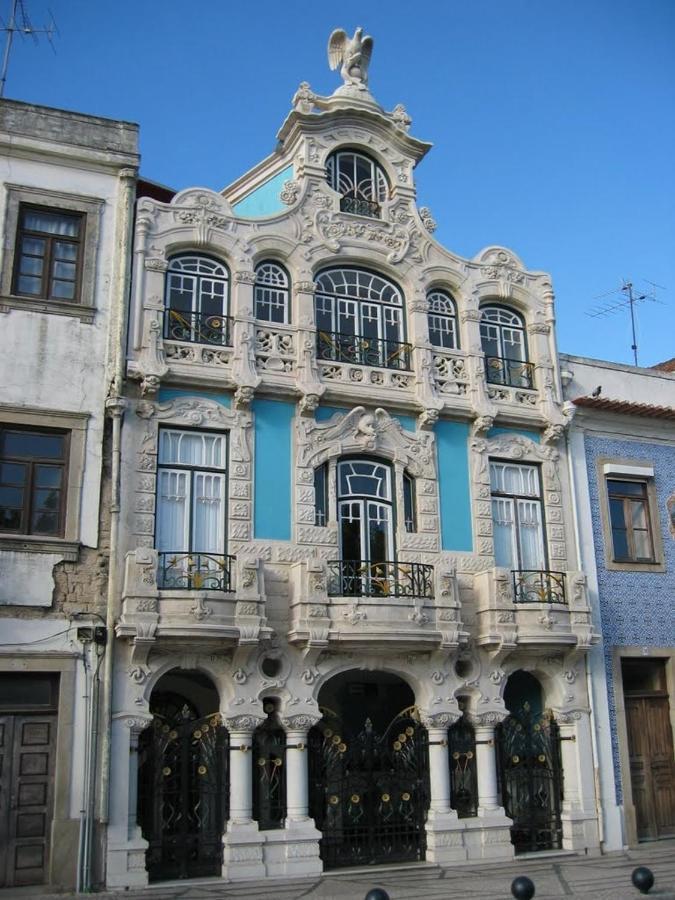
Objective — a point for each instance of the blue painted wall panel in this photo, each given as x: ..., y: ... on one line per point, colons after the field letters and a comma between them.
x: 452, y: 440
x: 166, y: 394
x: 272, y: 470
x: 264, y: 201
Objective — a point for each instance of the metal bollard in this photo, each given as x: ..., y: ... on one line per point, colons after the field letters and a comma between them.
x: 643, y: 879
x: 377, y: 894
x: 522, y: 888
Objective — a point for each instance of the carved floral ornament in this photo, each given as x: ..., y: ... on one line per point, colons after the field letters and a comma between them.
x: 499, y: 264
x: 360, y: 431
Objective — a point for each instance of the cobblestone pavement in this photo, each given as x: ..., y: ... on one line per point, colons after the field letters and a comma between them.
x: 555, y: 878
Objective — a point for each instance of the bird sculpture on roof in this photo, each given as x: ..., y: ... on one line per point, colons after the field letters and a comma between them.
x: 353, y: 54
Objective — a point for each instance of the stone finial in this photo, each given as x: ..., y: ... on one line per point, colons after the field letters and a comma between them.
x: 352, y: 54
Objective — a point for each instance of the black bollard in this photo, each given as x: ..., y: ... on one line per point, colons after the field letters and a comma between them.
x: 643, y: 879
x: 377, y: 894
x: 522, y: 888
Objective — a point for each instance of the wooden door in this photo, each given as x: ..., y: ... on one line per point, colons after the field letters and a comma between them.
x: 27, y: 753
x: 652, y: 765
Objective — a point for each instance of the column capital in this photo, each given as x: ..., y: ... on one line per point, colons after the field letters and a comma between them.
x: 243, y: 724
x: 489, y: 719
x: 437, y: 721
x: 302, y: 722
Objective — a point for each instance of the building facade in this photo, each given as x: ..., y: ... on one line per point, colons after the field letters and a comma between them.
x: 66, y: 200
x: 352, y: 622
x: 623, y: 450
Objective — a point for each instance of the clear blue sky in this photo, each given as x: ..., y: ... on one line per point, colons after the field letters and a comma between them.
x: 553, y: 122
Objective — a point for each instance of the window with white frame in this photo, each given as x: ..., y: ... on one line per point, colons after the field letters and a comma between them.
x: 272, y: 293
x: 502, y: 333
x: 197, y: 300
x: 517, y: 516
x: 190, y: 532
x: 359, y: 180
x: 442, y: 318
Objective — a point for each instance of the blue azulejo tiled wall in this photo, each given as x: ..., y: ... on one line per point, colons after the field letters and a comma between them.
x: 636, y: 608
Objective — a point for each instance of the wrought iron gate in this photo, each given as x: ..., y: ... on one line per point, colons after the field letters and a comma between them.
x: 183, y: 791
x: 369, y: 792
x: 531, y: 779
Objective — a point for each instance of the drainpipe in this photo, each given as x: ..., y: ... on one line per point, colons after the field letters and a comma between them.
x: 115, y: 405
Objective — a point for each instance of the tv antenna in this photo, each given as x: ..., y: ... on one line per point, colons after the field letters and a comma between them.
x: 631, y: 295
x: 20, y: 23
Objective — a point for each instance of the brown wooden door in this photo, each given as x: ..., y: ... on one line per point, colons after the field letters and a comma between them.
x: 27, y: 751
x: 652, y: 765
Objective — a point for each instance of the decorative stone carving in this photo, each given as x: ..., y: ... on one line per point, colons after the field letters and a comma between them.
x: 499, y: 264
x: 352, y: 55
x: 304, y: 98
x: 354, y: 615
x: 289, y: 192
x: 401, y: 118
x: 332, y: 228
x: 427, y: 220
x: 439, y: 720
x: 243, y: 723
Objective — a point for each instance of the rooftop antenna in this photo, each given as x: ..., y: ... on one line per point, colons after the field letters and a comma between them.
x: 631, y: 295
x: 19, y: 23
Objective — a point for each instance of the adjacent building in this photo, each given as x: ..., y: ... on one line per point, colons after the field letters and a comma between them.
x: 66, y: 204
x: 623, y: 449
x: 353, y: 623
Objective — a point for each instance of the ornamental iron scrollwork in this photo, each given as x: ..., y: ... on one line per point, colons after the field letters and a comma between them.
x: 269, y: 771
x: 183, y: 790
x: 361, y: 578
x: 198, y: 328
x: 538, y: 586
x: 369, y: 791
x: 530, y: 772
x: 365, y: 351
x: 195, y: 571
x: 509, y: 372
x: 463, y: 774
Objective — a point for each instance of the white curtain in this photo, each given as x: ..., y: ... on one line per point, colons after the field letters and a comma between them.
x: 208, y: 505
x: 504, y: 526
x: 531, y: 537
x: 173, y: 510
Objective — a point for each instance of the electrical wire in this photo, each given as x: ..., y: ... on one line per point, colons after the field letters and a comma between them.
x: 37, y: 641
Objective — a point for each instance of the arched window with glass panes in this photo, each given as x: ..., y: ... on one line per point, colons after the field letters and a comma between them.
x: 442, y: 318
x: 360, y: 319
x: 272, y: 293
x: 360, y: 181
x: 197, y: 300
x: 502, y: 333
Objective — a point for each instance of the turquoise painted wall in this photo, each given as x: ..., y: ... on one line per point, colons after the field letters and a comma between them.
x: 272, y: 470
x: 452, y: 442
x: 264, y: 200
x: 166, y: 394
x: 323, y: 413
x: 532, y: 435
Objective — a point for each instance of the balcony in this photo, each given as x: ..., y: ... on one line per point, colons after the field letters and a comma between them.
x: 195, y: 571
x: 197, y: 328
x: 349, y: 348
x: 398, y: 605
x: 509, y: 372
x: 357, y: 206
x: 532, y: 608
x: 359, y: 578
x: 217, y: 601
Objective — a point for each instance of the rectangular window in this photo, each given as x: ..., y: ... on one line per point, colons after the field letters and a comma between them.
x: 32, y: 481
x: 409, y: 503
x: 517, y: 516
x: 49, y: 254
x: 321, y: 495
x: 630, y: 521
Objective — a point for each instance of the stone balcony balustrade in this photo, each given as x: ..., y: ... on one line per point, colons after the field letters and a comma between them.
x: 546, y: 609
x: 399, y: 605
x: 186, y: 599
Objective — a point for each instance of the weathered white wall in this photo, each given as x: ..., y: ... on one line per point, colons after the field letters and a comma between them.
x: 618, y: 382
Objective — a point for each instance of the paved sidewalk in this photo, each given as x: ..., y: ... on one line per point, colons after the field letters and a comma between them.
x: 556, y: 877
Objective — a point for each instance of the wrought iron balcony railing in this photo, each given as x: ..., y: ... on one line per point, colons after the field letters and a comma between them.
x: 509, y: 372
x: 538, y: 586
x: 195, y: 571
x: 361, y: 578
x: 350, y: 348
x: 358, y: 206
x: 198, y: 328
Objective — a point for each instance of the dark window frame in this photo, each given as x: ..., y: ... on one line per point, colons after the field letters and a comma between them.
x: 47, y: 277
x: 502, y: 495
x: 626, y: 497
x: 261, y: 285
x: 409, y: 503
x: 321, y: 476
x: 433, y: 314
x: 28, y: 507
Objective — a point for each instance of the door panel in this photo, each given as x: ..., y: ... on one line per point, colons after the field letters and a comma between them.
x: 652, y: 766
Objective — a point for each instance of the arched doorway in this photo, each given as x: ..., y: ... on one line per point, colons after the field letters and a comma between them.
x: 369, y: 782
x: 182, y: 778
x: 530, y: 767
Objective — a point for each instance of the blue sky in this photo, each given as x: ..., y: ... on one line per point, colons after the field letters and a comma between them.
x: 553, y: 123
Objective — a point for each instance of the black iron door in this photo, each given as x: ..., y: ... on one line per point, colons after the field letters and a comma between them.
x: 369, y: 792
x: 531, y: 779
x: 183, y: 791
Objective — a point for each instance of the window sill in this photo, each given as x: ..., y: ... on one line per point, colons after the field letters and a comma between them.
x: 26, y: 543
x: 52, y: 307
x: 634, y: 566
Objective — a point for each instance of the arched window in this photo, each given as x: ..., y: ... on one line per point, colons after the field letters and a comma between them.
x: 197, y: 300
x: 269, y: 770
x: 442, y: 318
x: 359, y: 180
x: 359, y: 319
x: 502, y: 333
x: 272, y: 293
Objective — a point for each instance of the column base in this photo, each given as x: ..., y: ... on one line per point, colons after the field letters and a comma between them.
x: 580, y: 832
x: 488, y: 836
x: 243, y: 852
x: 445, y: 838
x: 125, y: 863
x: 293, y: 850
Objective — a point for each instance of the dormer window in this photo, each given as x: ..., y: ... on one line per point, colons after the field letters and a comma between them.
x: 359, y: 180
x: 502, y: 334
x: 442, y: 318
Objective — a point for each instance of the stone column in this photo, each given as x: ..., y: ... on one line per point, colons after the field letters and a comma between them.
x: 490, y: 830
x: 126, y: 847
x: 579, y: 812
x: 243, y: 844
x: 445, y: 838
